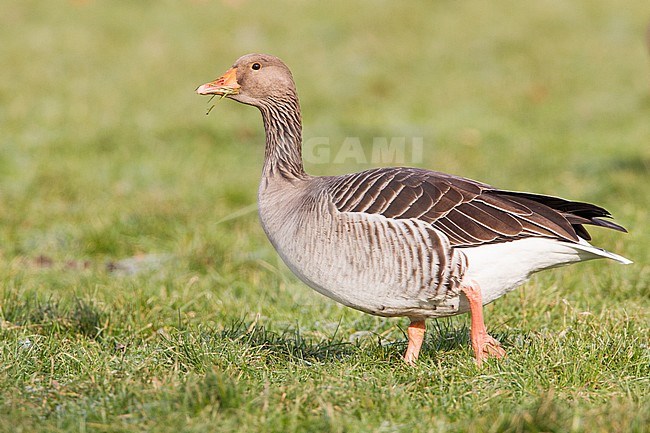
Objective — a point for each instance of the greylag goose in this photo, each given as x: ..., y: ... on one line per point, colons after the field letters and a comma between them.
x: 401, y: 241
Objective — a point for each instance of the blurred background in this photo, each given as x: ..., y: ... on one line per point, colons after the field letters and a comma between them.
x: 104, y: 143
x: 126, y: 213
x: 107, y: 154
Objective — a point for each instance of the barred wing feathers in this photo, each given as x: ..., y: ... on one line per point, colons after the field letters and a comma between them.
x: 469, y: 213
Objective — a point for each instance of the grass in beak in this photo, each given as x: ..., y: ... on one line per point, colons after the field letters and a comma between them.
x: 225, y: 93
x: 212, y: 106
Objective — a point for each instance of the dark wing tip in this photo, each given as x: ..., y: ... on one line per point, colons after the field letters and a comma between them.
x: 608, y: 224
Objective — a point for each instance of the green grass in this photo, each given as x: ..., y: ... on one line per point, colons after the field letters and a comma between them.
x: 138, y: 292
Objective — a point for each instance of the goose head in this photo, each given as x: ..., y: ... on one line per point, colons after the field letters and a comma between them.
x: 254, y: 79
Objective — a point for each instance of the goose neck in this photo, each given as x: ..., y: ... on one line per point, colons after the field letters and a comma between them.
x: 283, y: 127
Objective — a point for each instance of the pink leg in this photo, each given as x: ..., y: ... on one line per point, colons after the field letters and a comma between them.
x: 483, y: 344
x: 415, y: 333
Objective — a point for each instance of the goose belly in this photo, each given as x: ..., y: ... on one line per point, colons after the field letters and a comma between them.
x: 370, y: 263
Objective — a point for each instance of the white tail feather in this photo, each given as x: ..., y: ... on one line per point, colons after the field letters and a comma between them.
x: 499, y: 268
x: 595, y: 252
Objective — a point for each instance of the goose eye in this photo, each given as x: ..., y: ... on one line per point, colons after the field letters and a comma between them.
x: 256, y: 66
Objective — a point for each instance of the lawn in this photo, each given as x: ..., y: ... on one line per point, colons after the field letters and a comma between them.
x: 139, y: 293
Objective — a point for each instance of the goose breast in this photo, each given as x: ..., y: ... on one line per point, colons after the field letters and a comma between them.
x: 375, y: 264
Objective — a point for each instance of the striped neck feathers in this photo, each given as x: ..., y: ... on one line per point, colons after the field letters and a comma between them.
x: 283, y: 127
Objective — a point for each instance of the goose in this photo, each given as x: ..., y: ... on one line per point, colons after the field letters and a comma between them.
x: 401, y: 241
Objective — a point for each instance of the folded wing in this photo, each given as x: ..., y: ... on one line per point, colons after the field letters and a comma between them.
x: 469, y: 213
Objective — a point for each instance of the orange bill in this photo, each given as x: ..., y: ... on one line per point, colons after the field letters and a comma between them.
x: 224, y: 85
